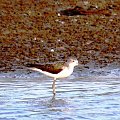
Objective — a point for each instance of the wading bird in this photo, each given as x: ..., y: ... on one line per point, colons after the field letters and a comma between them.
x: 64, y: 71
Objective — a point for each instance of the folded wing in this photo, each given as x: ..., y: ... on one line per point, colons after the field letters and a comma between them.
x: 47, y: 67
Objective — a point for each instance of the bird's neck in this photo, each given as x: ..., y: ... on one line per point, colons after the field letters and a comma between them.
x: 71, y: 67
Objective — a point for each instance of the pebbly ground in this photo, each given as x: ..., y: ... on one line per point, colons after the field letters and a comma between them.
x: 33, y: 31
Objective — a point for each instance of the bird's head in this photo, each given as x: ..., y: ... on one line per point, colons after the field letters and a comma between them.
x: 72, y: 61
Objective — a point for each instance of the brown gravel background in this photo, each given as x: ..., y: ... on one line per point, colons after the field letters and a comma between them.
x: 31, y: 31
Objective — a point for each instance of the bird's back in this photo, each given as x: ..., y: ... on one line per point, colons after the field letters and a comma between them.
x: 47, y: 67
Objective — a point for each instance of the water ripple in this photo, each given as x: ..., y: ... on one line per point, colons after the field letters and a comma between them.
x: 78, y: 98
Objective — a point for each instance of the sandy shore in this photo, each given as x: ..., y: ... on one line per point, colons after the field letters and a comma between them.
x: 35, y: 32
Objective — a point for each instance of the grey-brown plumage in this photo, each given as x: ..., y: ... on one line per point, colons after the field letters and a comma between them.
x: 47, y: 67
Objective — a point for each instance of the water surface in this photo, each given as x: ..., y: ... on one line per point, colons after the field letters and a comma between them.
x: 28, y: 96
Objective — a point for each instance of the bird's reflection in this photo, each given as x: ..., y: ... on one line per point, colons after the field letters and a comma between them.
x: 56, y: 102
x: 53, y: 98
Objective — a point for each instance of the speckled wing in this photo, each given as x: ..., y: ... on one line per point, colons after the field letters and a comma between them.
x: 47, y: 67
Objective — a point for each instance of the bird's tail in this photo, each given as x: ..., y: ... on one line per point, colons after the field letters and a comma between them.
x: 44, y: 72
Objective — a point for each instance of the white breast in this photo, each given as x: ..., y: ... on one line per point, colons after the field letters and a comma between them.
x: 65, y: 73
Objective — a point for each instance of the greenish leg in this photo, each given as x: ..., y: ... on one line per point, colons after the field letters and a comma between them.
x: 53, y: 86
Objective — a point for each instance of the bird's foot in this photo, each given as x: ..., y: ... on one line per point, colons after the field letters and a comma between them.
x: 54, y: 93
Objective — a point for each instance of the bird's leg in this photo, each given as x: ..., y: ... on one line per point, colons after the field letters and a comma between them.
x: 53, y: 86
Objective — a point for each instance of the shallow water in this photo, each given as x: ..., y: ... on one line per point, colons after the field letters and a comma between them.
x: 28, y: 96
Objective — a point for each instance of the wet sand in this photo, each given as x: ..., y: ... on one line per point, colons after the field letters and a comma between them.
x: 35, y: 32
